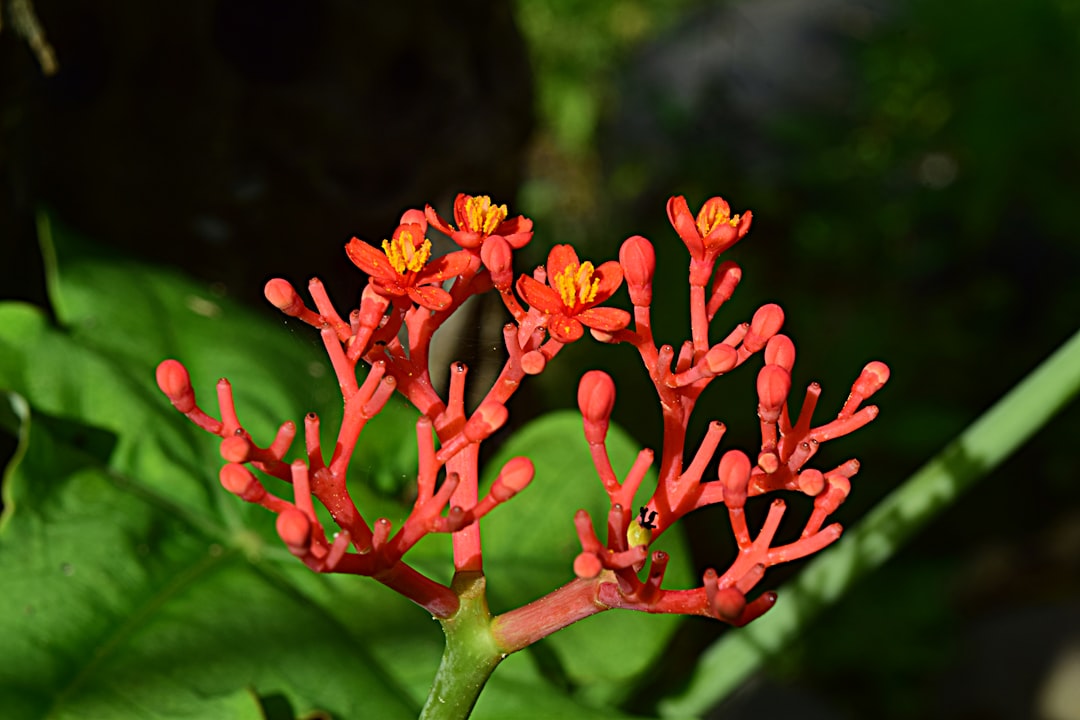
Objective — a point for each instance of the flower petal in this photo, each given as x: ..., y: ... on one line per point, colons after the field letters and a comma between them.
x: 565, y: 329
x: 679, y: 214
x: 415, y: 217
x: 430, y: 296
x: 604, y: 318
x: 539, y: 296
x: 517, y: 231
x: 561, y: 257
x: 436, y: 221
x: 610, y: 276
x: 445, y: 267
x: 367, y: 258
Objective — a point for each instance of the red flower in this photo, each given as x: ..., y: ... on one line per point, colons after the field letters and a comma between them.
x: 477, y: 219
x: 715, y: 229
x: 402, y: 268
x: 576, y: 288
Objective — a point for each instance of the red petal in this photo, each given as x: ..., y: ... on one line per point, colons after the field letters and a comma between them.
x: 444, y: 267
x: 431, y: 297
x: 605, y: 318
x: 679, y: 214
x: 560, y: 257
x: 565, y: 329
x: 367, y: 258
x: 460, y: 216
x: 517, y: 231
x: 437, y: 222
x: 610, y: 276
x: 415, y: 217
x: 468, y: 238
x: 416, y: 233
x: 539, y: 296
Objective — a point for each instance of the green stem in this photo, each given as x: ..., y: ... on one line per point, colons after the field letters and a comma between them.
x: 978, y: 450
x: 470, y: 655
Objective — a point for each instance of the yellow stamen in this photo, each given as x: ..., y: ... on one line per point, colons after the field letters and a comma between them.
x: 712, y: 215
x: 481, y: 216
x: 404, y: 255
x: 576, y: 284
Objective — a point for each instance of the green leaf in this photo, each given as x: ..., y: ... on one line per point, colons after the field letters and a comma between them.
x: 135, y: 586
x: 527, y: 556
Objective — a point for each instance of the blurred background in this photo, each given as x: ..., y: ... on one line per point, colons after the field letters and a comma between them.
x: 912, y: 167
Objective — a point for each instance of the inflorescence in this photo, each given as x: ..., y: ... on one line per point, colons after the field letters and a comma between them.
x: 410, y: 294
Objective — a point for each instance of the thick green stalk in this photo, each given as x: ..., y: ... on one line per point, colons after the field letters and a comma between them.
x: 978, y: 450
x: 470, y: 655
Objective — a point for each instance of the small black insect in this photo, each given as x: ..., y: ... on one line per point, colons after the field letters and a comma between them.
x: 646, y: 518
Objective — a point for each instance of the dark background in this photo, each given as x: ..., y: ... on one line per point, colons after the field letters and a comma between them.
x: 913, y: 172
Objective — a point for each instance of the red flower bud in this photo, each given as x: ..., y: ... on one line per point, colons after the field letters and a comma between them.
x: 533, y: 362
x: 284, y: 297
x: 638, y: 260
x: 498, y: 259
x: 238, y: 480
x: 721, y: 358
x: 734, y: 473
x: 773, y: 386
x: 514, y: 477
x: 294, y: 528
x: 174, y: 381
x: 587, y: 566
x: 811, y: 482
x: 780, y: 351
x: 729, y: 603
x: 872, y: 378
x: 767, y: 322
x: 236, y: 448
x: 488, y: 418
x: 596, y: 399
x: 728, y: 275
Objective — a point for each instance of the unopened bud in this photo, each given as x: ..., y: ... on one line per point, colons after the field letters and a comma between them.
x: 498, y: 258
x: 871, y: 379
x: 734, y: 473
x: 488, y: 418
x: 767, y: 322
x: 533, y: 362
x: 284, y: 297
x: 773, y: 386
x: 596, y: 400
x: 294, y: 528
x: 780, y: 351
x: 514, y: 477
x: 236, y: 448
x: 174, y: 381
x: 721, y: 358
x: 729, y: 603
x: 727, y: 278
x: 638, y: 261
x: 587, y: 566
x: 811, y: 482
x: 238, y: 480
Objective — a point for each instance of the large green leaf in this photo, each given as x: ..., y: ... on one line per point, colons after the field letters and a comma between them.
x: 135, y: 586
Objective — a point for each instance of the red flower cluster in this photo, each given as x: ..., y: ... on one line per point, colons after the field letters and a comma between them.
x: 408, y: 297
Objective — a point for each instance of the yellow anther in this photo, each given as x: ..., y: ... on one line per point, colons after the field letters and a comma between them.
x: 576, y: 285
x: 481, y: 216
x: 712, y: 215
x: 405, y: 256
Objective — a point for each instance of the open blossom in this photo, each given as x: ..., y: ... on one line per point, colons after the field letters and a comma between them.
x: 478, y: 218
x: 713, y: 231
x: 573, y: 291
x: 403, y: 267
